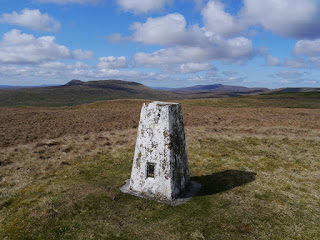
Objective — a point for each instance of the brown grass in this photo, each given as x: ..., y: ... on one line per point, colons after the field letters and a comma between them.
x: 61, y: 164
x: 27, y: 125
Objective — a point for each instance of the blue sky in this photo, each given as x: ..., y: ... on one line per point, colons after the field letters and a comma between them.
x: 161, y: 43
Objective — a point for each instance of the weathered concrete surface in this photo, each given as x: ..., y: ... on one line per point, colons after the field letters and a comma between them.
x: 191, y: 190
x: 160, y: 165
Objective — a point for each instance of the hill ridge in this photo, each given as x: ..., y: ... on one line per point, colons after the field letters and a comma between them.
x: 213, y: 87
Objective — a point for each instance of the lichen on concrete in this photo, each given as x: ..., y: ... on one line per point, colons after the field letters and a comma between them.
x: 161, y: 143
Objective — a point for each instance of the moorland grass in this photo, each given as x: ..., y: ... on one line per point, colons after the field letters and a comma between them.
x: 307, y: 100
x: 259, y: 169
x: 251, y: 189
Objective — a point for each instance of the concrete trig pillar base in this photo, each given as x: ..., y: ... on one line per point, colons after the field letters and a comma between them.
x: 160, y: 166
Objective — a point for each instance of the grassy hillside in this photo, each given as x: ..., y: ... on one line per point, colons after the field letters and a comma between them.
x: 74, y: 94
x: 78, y: 92
x: 282, y: 100
x: 296, y: 90
x: 61, y: 169
x: 216, y: 87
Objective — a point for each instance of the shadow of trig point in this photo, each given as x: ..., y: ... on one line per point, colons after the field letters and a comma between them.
x: 160, y: 166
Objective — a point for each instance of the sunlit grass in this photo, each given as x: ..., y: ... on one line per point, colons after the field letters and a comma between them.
x: 259, y: 170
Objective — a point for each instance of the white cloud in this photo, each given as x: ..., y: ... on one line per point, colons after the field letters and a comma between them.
x: 63, y: 66
x: 52, y: 71
x: 193, y: 44
x: 291, y: 74
x: 169, y: 29
x: 213, y: 78
x: 307, y: 47
x: 9, y: 71
x: 142, y: 6
x: 299, y: 82
x: 32, y: 19
x: 289, y: 63
x: 289, y: 18
x: 189, y: 68
x: 294, y: 18
x: 230, y: 73
x: 94, y: 2
x: 295, y: 63
x: 54, y: 65
x: 220, y: 22
x: 272, y: 61
x: 21, y: 48
x: 315, y: 61
x: 112, y: 62
x: 195, y: 67
x: 118, y: 38
x: 80, y: 54
x: 233, y: 50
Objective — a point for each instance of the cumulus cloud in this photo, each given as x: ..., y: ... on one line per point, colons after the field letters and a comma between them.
x: 118, y: 38
x: 212, y: 77
x: 112, y: 62
x: 220, y: 22
x: 59, y: 66
x: 185, y: 45
x: 295, y: 63
x: 289, y: 18
x: 21, y: 48
x: 94, y: 2
x: 289, y: 63
x: 272, y: 61
x: 169, y: 29
x: 80, y: 54
x: 231, y: 50
x: 51, y: 71
x: 32, y: 19
x: 307, y: 47
x: 290, y: 74
x: 142, y: 6
x: 190, y: 67
x: 195, y: 67
x: 315, y: 61
x: 230, y: 73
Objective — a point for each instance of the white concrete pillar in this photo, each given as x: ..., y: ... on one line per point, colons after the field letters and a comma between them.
x: 160, y: 165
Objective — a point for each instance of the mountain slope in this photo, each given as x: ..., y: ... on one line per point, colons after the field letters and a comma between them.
x: 214, y: 87
x: 76, y: 92
x: 295, y: 90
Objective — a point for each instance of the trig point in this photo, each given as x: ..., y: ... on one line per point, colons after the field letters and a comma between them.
x: 160, y: 166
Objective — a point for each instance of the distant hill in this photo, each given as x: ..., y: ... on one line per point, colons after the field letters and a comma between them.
x: 74, y: 82
x: 295, y: 90
x: 5, y: 86
x: 15, y: 87
x: 11, y: 87
x: 77, y: 92
x: 214, y: 87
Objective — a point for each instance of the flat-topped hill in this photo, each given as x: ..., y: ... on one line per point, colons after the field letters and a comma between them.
x: 78, y: 92
x: 215, y: 87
